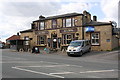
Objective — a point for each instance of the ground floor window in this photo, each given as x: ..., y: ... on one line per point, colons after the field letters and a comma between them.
x: 67, y: 38
x: 95, y: 38
x: 41, y: 39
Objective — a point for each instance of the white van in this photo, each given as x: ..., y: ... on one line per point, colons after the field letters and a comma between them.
x: 78, y: 47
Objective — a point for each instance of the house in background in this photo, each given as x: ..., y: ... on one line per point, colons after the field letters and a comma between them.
x: 12, y: 41
x: 16, y: 43
x: 56, y: 32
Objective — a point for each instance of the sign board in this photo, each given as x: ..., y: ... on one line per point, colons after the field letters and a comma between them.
x: 41, y: 32
x: 89, y: 29
x: 68, y: 30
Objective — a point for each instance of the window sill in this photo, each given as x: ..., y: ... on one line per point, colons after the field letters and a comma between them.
x: 65, y: 45
x: 42, y: 45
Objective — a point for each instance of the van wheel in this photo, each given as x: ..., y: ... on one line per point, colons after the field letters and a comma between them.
x: 81, y: 53
x: 89, y: 50
x: 68, y: 54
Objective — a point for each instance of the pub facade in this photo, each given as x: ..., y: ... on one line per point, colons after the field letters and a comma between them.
x: 56, y: 32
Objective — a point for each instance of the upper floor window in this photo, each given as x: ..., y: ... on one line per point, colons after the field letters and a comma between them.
x: 68, y: 22
x: 42, y: 25
x: 54, y: 23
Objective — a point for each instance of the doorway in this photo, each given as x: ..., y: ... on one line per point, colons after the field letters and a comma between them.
x: 54, y: 41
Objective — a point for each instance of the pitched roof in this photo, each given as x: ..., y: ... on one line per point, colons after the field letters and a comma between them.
x: 29, y: 30
x: 14, y: 37
x: 64, y: 15
x: 60, y: 16
x: 95, y: 23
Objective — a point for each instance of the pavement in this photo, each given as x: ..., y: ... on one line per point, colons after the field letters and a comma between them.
x: 110, y: 55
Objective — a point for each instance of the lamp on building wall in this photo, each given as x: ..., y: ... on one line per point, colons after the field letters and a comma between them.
x: 31, y: 38
x: 77, y: 34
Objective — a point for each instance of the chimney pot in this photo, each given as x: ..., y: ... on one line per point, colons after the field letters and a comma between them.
x: 94, y: 18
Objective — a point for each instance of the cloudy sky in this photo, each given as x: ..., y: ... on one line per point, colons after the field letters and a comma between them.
x: 17, y: 15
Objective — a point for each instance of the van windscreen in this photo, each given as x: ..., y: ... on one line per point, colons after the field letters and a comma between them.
x: 75, y: 44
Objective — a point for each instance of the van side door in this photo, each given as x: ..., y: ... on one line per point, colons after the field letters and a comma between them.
x: 87, y: 45
x: 83, y: 46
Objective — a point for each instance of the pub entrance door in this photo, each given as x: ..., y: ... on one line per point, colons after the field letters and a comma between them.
x: 54, y: 41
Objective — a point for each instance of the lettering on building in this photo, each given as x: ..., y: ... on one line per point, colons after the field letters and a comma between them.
x: 68, y: 30
x: 41, y: 32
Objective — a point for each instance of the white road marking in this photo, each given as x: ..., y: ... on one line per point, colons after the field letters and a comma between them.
x: 45, y: 66
x: 98, y: 71
x: 38, y: 72
x: 61, y: 73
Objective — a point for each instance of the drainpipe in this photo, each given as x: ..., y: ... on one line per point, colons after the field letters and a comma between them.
x: 83, y: 27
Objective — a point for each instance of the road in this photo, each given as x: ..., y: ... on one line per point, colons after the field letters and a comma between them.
x: 54, y: 65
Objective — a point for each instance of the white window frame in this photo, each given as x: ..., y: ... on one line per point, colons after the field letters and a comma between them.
x: 39, y: 40
x: 65, y: 39
x: 68, y: 22
x: 42, y: 25
x: 95, y: 38
x: 64, y: 23
x: 54, y: 23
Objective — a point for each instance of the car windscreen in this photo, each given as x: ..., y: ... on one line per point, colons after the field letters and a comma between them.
x: 75, y: 44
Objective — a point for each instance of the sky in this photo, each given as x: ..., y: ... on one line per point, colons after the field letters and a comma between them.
x: 17, y: 15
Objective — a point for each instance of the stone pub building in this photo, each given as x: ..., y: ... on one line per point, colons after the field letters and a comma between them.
x: 56, y: 32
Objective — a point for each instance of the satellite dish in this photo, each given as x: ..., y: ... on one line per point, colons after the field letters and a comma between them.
x: 114, y: 23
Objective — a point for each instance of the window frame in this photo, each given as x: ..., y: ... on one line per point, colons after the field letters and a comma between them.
x: 68, y: 25
x: 54, y: 23
x: 95, y: 39
x: 39, y: 39
x: 65, y: 39
x: 72, y: 22
x: 43, y: 25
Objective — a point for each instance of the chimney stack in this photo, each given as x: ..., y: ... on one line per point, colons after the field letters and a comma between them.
x: 18, y: 34
x: 41, y: 17
x: 94, y: 18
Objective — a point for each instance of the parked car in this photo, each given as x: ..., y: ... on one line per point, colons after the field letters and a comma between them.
x: 1, y: 46
x: 78, y: 47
